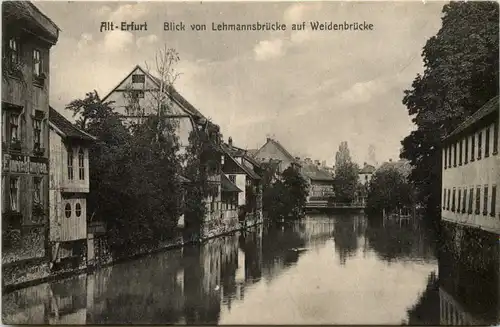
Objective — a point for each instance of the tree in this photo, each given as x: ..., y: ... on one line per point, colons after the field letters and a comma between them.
x: 202, y: 160
x: 461, y: 75
x: 297, y: 189
x: 286, y: 197
x: 346, y: 175
x: 389, y: 190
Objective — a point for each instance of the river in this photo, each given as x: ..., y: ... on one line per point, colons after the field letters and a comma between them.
x: 320, y: 270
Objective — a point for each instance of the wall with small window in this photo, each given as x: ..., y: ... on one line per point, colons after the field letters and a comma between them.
x: 471, y: 177
x: 137, y: 96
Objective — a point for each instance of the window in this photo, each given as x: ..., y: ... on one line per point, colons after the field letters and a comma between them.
x: 37, y: 190
x: 37, y: 134
x: 479, y: 145
x: 485, y: 199
x: 493, y: 200
x: 14, y: 51
x: 460, y: 153
x: 487, y: 143
x: 459, y: 200
x: 70, y: 164
x: 445, y: 158
x: 471, y: 197
x: 466, y: 157
x: 137, y: 94
x: 449, y: 157
x: 454, y: 155
x: 78, y: 209
x: 478, y: 200
x: 464, y: 200
x: 81, y: 165
x: 14, y: 128
x: 473, y: 147
x: 232, y: 178
x: 138, y: 78
x: 67, y: 210
x: 14, y: 193
x: 448, y: 199
x: 37, y: 62
x: 444, y: 199
x: 495, y: 138
x: 453, y: 201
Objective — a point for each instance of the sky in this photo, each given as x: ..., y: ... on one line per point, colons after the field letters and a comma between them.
x: 308, y: 89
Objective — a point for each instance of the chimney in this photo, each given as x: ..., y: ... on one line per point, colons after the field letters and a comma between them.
x: 268, y: 139
x: 317, y: 162
x: 364, y: 163
x: 323, y: 163
x: 308, y: 161
x: 230, y: 141
x: 297, y: 158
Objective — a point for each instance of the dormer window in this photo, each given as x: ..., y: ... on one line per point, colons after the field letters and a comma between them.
x: 138, y: 78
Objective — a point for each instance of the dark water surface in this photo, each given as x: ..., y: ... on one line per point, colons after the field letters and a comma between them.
x: 331, y: 270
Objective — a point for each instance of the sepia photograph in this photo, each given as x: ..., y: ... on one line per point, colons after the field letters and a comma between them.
x: 250, y: 163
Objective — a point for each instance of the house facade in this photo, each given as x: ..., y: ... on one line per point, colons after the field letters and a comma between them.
x: 68, y: 189
x: 141, y: 94
x: 27, y: 38
x: 471, y: 172
x: 272, y: 149
x: 241, y: 169
x: 320, y: 180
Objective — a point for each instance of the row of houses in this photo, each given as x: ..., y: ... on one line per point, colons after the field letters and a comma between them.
x: 45, y: 158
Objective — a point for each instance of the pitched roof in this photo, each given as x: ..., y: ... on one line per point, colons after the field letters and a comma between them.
x: 66, y: 128
x: 316, y: 173
x: 490, y: 107
x: 367, y: 169
x: 281, y: 148
x: 227, y: 185
x: 172, y: 92
x: 239, y: 152
x: 252, y: 152
x: 246, y: 169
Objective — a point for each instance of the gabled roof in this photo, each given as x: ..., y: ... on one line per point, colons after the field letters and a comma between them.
x: 367, y: 169
x: 246, y: 169
x: 315, y: 173
x: 490, y: 107
x: 239, y: 152
x: 227, y: 185
x: 65, y: 128
x: 281, y: 148
x: 172, y: 92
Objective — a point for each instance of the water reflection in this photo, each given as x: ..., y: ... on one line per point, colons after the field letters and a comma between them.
x: 337, y: 270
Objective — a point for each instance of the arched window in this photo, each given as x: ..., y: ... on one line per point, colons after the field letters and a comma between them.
x: 78, y: 210
x: 81, y: 165
x: 67, y: 210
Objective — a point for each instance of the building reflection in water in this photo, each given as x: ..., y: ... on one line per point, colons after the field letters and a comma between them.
x: 197, y: 284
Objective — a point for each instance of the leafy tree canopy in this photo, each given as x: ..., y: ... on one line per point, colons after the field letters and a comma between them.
x: 461, y: 75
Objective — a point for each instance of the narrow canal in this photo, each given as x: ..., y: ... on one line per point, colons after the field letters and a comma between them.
x: 331, y: 270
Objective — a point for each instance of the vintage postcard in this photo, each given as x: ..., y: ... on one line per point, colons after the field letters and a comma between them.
x: 259, y: 163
